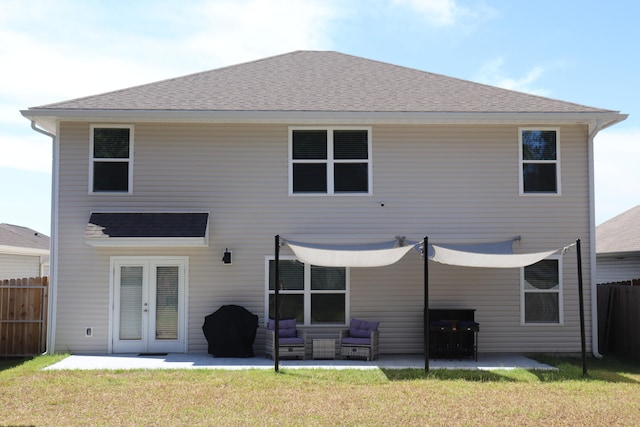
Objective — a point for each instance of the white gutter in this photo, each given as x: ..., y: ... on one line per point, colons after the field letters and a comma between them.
x: 593, y: 131
x: 42, y: 131
x: 47, y: 118
x: 53, y: 255
x: 20, y: 250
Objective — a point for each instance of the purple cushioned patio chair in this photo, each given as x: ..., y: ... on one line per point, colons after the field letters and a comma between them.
x: 292, y: 343
x: 360, y: 340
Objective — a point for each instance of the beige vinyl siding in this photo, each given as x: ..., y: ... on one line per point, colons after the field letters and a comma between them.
x: 456, y: 184
x: 617, y: 268
x: 14, y: 266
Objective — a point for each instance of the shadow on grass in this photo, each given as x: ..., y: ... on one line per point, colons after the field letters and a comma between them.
x: 12, y: 362
x: 608, y: 369
x: 447, y: 374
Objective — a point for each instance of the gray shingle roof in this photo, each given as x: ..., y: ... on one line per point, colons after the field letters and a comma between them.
x: 620, y: 234
x: 22, y: 237
x: 322, y: 82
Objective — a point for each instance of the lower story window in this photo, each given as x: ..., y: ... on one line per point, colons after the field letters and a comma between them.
x: 313, y: 295
x: 542, y: 292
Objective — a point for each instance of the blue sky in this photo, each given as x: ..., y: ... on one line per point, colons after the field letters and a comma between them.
x: 581, y: 51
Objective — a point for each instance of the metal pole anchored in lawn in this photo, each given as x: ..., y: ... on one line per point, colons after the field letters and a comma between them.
x: 425, y: 316
x: 276, y: 326
x: 581, y: 301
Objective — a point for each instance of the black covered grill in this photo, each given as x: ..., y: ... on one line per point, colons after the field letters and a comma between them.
x: 230, y: 331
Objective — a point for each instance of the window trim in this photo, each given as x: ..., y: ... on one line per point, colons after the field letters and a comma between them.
x: 559, y: 291
x: 330, y: 161
x: 307, y: 292
x: 92, y: 159
x: 557, y: 162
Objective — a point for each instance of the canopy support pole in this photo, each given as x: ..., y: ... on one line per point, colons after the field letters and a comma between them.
x: 581, y: 301
x: 425, y: 326
x: 276, y: 326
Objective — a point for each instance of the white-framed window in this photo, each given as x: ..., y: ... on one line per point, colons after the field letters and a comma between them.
x: 111, y: 152
x: 539, y: 150
x: 541, y: 292
x: 311, y: 294
x: 330, y: 160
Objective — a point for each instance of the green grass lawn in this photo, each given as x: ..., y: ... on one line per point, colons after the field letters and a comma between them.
x: 608, y: 396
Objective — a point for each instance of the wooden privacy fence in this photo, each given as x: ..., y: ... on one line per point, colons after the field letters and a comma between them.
x: 23, y: 316
x: 619, y: 318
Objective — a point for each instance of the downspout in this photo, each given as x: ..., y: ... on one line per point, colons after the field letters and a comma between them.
x: 593, y: 131
x: 53, y: 253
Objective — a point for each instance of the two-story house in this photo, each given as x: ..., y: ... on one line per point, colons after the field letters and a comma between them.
x: 153, y: 184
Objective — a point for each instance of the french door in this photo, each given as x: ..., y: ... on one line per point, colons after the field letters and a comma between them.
x: 149, y: 304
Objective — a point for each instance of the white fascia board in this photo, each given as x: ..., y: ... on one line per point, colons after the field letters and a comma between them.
x: 619, y: 254
x: 148, y: 242
x: 19, y: 250
x: 46, y: 118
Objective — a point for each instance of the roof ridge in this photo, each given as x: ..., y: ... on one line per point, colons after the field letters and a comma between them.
x: 622, y: 215
x: 314, y: 80
x: 486, y: 85
x: 620, y: 233
x: 10, y: 228
x: 25, y: 236
x: 109, y: 92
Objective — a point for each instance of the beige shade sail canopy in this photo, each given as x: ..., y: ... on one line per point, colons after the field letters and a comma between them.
x: 486, y: 255
x: 373, y: 255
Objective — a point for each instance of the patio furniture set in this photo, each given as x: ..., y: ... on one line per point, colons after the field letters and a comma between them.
x: 453, y: 333
x: 359, y: 341
x: 231, y: 330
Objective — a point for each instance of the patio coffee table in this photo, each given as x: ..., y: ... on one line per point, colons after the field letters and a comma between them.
x: 324, y: 349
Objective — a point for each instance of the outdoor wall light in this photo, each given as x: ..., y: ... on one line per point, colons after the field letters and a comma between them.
x: 226, y: 256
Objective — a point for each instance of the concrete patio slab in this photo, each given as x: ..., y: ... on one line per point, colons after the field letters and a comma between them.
x: 204, y: 361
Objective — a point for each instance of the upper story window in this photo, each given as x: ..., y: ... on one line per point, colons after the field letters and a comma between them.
x: 111, y: 159
x: 542, y: 292
x: 330, y: 160
x: 539, y: 161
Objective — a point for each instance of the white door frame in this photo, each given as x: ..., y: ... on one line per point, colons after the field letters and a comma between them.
x: 149, y: 263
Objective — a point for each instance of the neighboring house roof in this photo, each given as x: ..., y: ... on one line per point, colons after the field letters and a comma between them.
x: 619, y: 234
x: 17, y: 239
x: 312, y: 81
